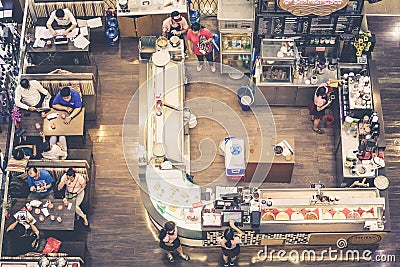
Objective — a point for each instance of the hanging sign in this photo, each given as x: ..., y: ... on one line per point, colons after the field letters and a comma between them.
x: 316, y: 7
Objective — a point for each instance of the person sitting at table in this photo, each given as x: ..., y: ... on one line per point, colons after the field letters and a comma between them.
x: 56, y: 148
x: 69, y: 101
x: 20, y: 240
x: 40, y: 184
x: 29, y: 95
x: 175, y: 25
x: 61, y: 19
x: 75, y: 188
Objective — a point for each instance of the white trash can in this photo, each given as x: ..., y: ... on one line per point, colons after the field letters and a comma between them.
x: 192, y: 121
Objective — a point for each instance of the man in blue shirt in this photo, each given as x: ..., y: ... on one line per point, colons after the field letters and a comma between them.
x: 69, y: 101
x: 40, y: 184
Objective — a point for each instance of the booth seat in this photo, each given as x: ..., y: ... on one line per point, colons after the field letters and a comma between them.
x: 56, y: 168
x: 81, y: 10
x: 83, y: 83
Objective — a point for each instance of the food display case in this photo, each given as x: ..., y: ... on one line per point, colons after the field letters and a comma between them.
x: 278, y: 57
x: 236, y: 24
x: 323, y: 206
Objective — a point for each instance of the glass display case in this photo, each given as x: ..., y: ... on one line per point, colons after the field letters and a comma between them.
x: 278, y: 57
x: 235, y: 52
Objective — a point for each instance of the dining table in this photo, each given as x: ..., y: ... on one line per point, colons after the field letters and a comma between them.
x: 59, y: 210
x: 57, y: 126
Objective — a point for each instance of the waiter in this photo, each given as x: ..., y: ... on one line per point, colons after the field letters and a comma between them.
x: 61, y: 19
x: 175, y: 25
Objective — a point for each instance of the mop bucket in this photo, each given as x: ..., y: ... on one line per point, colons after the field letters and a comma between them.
x: 245, y: 97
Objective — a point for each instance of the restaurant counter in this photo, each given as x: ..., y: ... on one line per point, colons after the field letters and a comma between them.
x: 359, y: 217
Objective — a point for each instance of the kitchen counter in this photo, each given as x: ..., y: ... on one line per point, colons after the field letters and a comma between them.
x: 155, y: 7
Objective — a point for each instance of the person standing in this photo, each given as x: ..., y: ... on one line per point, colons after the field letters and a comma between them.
x: 170, y: 242
x: 69, y: 101
x: 75, y: 188
x: 29, y: 95
x: 61, y: 19
x: 319, y: 107
x: 200, y: 43
x: 175, y: 25
x: 230, y: 244
x: 40, y: 184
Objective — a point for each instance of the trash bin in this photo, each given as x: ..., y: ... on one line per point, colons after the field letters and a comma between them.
x: 112, y: 36
x: 330, y: 120
x: 245, y: 97
x: 194, y: 16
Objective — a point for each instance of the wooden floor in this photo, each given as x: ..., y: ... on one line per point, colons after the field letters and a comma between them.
x: 120, y: 233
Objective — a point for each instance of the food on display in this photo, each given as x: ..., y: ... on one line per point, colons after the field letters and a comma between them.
x: 353, y: 215
x: 41, y: 218
x: 297, y: 216
x: 60, y: 207
x: 327, y: 216
x: 311, y: 216
x: 282, y: 216
x: 339, y: 216
x: 37, y: 211
x: 367, y: 215
x: 268, y: 216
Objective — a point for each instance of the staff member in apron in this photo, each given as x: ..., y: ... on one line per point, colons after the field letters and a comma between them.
x: 175, y: 25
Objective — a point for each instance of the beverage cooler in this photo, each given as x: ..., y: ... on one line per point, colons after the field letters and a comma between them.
x: 236, y: 24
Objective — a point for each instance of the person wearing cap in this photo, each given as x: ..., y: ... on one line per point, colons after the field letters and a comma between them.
x: 175, y: 25
x: 61, y: 19
x: 200, y: 43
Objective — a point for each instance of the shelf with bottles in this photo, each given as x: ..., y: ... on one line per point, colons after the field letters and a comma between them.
x: 235, y: 62
x: 236, y: 42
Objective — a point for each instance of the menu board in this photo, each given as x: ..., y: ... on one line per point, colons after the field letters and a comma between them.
x: 277, y: 25
x: 296, y: 25
x: 264, y: 26
x: 348, y: 24
x: 322, y: 25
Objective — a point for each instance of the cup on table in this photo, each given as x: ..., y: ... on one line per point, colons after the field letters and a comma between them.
x: 53, y: 125
x: 37, y: 126
x: 63, y: 116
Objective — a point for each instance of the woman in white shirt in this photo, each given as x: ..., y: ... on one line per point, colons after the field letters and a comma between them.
x: 230, y: 244
x: 56, y: 148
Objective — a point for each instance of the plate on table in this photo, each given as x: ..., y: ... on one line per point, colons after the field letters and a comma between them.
x: 367, y: 215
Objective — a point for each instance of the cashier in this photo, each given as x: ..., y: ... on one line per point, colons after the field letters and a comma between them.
x: 61, y: 19
x: 175, y: 25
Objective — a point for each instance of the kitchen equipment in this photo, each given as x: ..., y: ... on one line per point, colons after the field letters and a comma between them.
x: 161, y: 58
x: 147, y: 46
x: 162, y: 42
x: 381, y: 182
x: 175, y: 41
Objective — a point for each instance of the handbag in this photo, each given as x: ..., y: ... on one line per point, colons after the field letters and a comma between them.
x: 52, y: 245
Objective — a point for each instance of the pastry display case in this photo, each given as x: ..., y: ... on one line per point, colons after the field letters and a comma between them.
x: 323, y: 206
x: 278, y: 57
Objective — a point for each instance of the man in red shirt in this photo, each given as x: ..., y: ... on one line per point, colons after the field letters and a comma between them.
x: 200, y: 42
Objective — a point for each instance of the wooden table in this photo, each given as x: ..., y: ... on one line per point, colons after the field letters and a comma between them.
x: 75, y: 127
x: 50, y: 52
x: 264, y: 165
x: 67, y: 215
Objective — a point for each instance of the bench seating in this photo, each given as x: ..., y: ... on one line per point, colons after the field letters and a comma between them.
x: 84, y: 83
